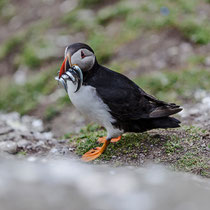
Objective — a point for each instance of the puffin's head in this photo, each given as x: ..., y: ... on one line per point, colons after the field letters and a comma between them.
x: 78, y: 54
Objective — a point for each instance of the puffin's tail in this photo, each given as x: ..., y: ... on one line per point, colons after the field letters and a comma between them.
x: 164, y: 122
x: 142, y: 125
x: 165, y: 110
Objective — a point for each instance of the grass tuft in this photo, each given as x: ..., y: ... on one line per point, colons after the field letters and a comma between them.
x: 10, y: 46
x: 179, y: 148
x: 24, y: 98
x: 173, y: 86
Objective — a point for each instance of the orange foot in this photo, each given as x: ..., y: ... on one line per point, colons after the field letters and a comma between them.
x: 95, y: 153
x: 103, y: 139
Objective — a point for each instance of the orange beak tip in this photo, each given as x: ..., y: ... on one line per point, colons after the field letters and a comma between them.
x: 63, y: 68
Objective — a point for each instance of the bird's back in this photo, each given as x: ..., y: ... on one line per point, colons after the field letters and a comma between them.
x: 133, y: 109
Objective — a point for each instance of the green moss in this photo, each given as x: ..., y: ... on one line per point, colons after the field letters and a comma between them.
x: 171, y: 86
x: 102, y: 46
x: 193, y: 162
x: 174, y: 145
x: 25, y: 98
x: 30, y: 59
x: 10, y: 46
x: 89, y: 3
x: 130, y: 144
x: 196, y: 60
x: 51, y: 112
x: 107, y: 14
x: 180, y: 148
x: 197, y: 32
x: 180, y: 15
x: 22, y: 153
x: 3, y: 3
x: 75, y: 23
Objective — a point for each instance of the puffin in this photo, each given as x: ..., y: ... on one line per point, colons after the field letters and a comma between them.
x: 111, y: 99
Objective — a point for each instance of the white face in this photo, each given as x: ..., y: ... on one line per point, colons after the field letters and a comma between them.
x: 84, y: 58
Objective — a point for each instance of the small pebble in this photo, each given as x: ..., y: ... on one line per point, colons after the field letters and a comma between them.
x: 71, y: 149
x: 32, y: 159
x: 23, y: 143
x: 5, y: 130
x: 8, y: 146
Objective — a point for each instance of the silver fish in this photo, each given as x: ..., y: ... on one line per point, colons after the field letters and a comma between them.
x: 73, y: 74
x: 62, y: 81
x: 80, y: 77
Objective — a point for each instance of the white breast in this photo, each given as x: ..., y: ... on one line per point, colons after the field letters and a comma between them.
x: 87, y: 101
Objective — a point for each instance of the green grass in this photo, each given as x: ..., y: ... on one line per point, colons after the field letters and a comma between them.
x: 179, y: 148
x: 193, y: 162
x: 130, y: 144
x: 119, y: 10
x: 10, y: 46
x: 24, y: 98
x: 149, y: 16
x: 101, y: 45
x: 3, y: 3
x: 173, y: 86
x: 30, y: 59
x: 88, y: 3
x: 51, y: 112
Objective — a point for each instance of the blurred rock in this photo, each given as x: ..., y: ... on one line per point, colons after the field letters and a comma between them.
x: 8, y: 146
x: 87, y: 15
x: 199, y: 113
x: 68, y: 6
x: 20, y: 75
x: 5, y: 130
x: 23, y: 143
x: 27, y: 134
x: 64, y: 184
x: 207, y: 61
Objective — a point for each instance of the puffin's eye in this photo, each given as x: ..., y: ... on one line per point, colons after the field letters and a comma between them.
x: 82, y: 54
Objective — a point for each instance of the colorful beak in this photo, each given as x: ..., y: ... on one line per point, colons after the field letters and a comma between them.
x: 63, y: 68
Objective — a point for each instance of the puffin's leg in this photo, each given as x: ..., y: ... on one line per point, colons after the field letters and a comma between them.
x: 96, y: 152
x: 103, y: 139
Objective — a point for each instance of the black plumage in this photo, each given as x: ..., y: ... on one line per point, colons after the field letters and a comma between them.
x: 133, y: 109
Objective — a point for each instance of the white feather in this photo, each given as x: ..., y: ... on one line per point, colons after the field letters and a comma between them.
x: 85, y: 63
x: 87, y: 102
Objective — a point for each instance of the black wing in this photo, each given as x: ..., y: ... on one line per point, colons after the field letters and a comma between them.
x: 125, y: 99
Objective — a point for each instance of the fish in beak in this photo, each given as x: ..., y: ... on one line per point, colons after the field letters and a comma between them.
x: 71, y: 72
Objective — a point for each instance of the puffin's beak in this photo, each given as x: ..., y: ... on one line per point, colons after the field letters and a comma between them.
x: 63, y: 68
x: 66, y: 64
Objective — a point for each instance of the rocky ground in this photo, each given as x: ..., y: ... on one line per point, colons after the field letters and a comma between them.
x: 186, y: 148
x: 25, y: 136
x: 163, y: 47
x: 41, y: 184
x: 35, y: 165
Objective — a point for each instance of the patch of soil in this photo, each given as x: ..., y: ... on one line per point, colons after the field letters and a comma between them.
x: 167, y: 49
x: 183, y: 149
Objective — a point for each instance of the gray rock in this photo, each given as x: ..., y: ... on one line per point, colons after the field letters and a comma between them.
x: 23, y: 143
x: 66, y: 184
x: 8, y: 146
x: 207, y: 61
x: 5, y: 130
